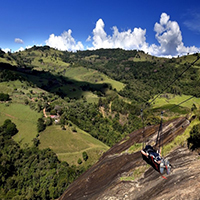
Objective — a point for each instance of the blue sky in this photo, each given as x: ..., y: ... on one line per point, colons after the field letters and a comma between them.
x: 161, y: 28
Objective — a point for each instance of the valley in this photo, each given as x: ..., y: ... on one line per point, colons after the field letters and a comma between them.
x: 91, y: 101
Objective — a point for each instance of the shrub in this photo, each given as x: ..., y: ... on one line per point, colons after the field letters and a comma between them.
x: 79, y: 161
x: 48, y: 121
x: 4, y: 97
x: 85, y: 156
x: 40, y: 125
x: 9, y: 128
x: 194, y: 139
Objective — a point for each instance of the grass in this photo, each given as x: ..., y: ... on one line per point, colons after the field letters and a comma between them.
x: 91, y: 97
x: 24, y: 118
x: 171, y: 106
x: 164, y: 103
x: 69, y: 145
x: 48, y: 60
x: 137, y: 173
x: 135, y: 147
x: 92, y: 76
x: 176, y: 99
x: 18, y: 90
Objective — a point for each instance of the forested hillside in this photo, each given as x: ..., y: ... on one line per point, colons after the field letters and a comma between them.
x: 31, y: 173
x: 99, y: 91
x: 85, y: 102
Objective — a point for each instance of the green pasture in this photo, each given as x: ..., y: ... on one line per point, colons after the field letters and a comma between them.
x: 176, y: 100
x: 141, y: 57
x: 188, y: 59
x: 45, y: 60
x: 91, y: 97
x: 24, y: 118
x: 18, y: 90
x: 69, y: 145
x: 8, y: 60
x: 92, y: 76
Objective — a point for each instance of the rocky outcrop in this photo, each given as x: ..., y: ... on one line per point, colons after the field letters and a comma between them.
x: 182, y: 183
x: 102, y: 180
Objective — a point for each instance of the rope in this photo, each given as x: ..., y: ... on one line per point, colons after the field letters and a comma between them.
x: 149, y: 103
x: 143, y: 142
x: 180, y: 103
x: 173, y: 80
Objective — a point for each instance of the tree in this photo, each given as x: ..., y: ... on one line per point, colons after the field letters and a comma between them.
x: 9, y: 128
x: 26, y: 101
x: 48, y: 121
x: 194, y: 107
x: 36, y: 142
x: 41, y: 125
x: 194, y: 138
x: 4, y: 97
x: 1, y: 53
x: 85, y: 156
x: 79, y: 161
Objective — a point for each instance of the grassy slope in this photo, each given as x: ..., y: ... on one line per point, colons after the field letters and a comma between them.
x: 93, y: 76
x: 172, y: 99
x: 69, y: 145
x: 24, y: 118
x: 49, y: 60
x: 81, y: 74
x: 162, y: 102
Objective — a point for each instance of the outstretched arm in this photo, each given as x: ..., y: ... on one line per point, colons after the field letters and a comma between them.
x: 144, y: 153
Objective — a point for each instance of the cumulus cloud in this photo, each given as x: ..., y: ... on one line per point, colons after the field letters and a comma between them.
x: 19, y: 41
x: 130, y: 39
x: 169, y: 36
x: 6, y: 50
x: 167, y: 33
x: 64, y: 42
x: 20, y: 49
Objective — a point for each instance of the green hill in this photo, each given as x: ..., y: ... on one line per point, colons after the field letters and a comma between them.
x: 100, y: 91
x: 83, y: 102
x: 69, y: 144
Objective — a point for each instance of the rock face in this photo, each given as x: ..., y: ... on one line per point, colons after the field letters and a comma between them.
x: 102, y: 180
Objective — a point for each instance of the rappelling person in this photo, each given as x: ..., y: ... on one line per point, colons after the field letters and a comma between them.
x: 153, y: 157
x: 152, y: 154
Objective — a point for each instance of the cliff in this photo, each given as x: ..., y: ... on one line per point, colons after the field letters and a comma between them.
x: 102, y: 180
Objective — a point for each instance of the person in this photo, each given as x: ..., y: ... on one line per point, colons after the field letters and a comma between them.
x: 150, y: 153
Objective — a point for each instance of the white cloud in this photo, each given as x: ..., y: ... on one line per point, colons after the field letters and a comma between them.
x: 27, y: 47
x: 167, y: 33
x: 193, y: 23
x: 169, y: 36
x: 21, y: 49
x: 127, y: 39
x: 6, y: 50
x: 88, y: 39
x: 64, y: 42
x: 19, y: 41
